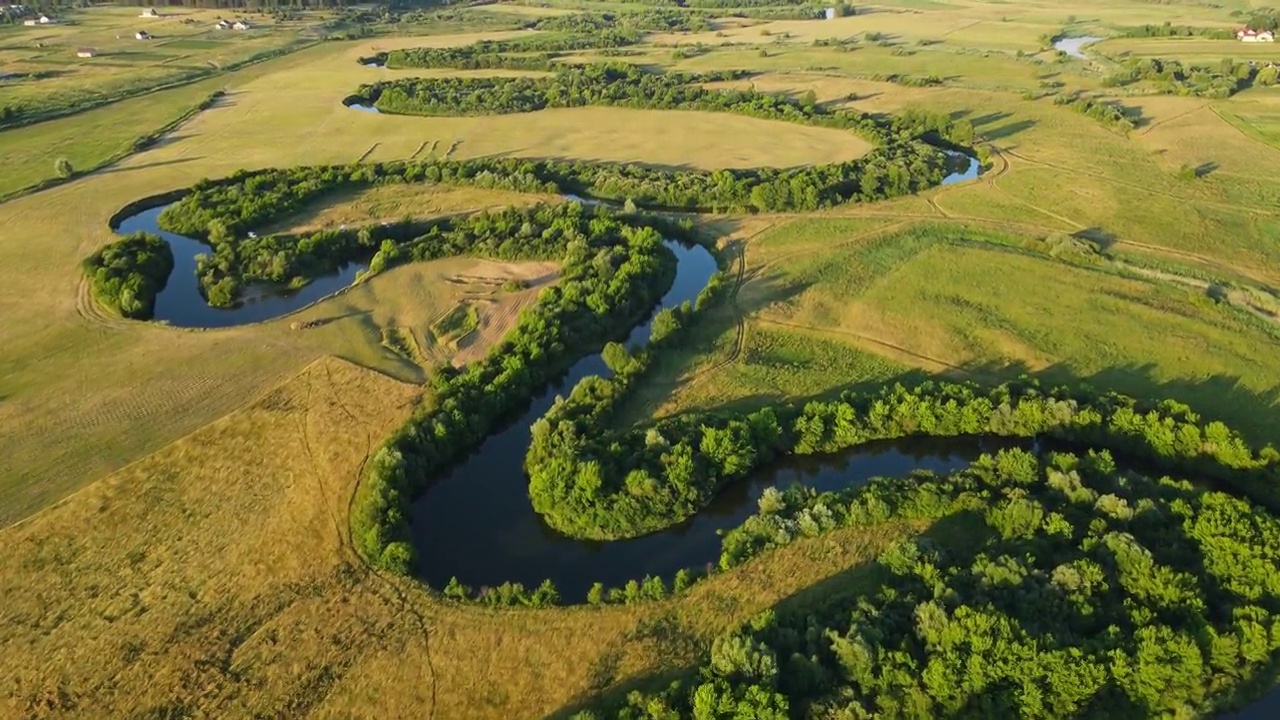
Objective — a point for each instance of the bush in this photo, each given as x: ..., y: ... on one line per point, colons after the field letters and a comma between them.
x: 127, y: 275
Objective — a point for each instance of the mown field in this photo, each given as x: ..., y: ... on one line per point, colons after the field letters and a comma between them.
x: 175, y: 503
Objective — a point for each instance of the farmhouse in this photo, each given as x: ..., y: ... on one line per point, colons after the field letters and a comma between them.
x: 149, y: 13
x: 1247, y: 35
x: 142, y: 35
x: 86, y: 53
x: 223, y: 25
x: 241, y: 25
x: 42, y: 20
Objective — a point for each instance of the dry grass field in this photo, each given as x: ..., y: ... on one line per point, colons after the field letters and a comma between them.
x: 226, y: 587
x: 173, y: 503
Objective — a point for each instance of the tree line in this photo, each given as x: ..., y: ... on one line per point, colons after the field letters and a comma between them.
x: 902, y: 163
x: 1051, y: 587
x: 591, y: 482
x: 1168, y: 29
x: 126, y: 275
x: 1110, y: 114
x: 1171, y: 77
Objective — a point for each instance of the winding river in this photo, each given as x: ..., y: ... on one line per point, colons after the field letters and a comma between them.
x: 477, y: 523
x: 182, y: 303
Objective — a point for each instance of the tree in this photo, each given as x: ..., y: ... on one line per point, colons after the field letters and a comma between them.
x: 1263, y: 21
x: 809, y: 100
x: 63, y: 168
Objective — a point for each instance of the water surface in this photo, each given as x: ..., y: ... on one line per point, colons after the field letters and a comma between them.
x: 1074, y: 47
x: 182, y: 303
x: 965, y: 167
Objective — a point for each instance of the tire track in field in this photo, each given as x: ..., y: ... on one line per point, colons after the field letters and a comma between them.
x: 379, y: 581
x: 1173, y: 119
x: 1145, y: 189
x: 938, y: 363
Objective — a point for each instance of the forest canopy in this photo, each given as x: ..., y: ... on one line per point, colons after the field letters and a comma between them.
x: 1055, y: 586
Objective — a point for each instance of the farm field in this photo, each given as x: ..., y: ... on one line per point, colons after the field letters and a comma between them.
x: 187, y: 510
x: 49, y: 78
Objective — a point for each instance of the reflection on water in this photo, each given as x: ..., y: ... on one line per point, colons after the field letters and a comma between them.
x: 182, y: 304
x: 965, y: 167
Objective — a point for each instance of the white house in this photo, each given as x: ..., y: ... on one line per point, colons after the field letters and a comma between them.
x: 1255, y: 36
x: 142, y: 35
x: 149, y: 13
x: 42, y: 20
x: 829, y: 13
x: 86, y: 53
x: 241, y: 25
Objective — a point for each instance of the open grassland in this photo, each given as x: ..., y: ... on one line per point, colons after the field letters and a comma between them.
x: 184, y: 45
x: 84, y: 394
x: 1196, y: 51
x: 902, y: 301
x: 397, y: 202
x: 226, y: 587
x: 210, y: 572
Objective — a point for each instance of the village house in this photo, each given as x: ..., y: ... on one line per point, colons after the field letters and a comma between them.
x: 240, y: 25
x: 149, y: 13
x: 223, y: 25
x: 1255, y: 36
x: 42, y: 20
x: 142, y: 35
x: 86, y: 53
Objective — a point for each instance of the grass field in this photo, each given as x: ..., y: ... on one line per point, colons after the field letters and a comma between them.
x: 174, y: 502
x: 184, y: 45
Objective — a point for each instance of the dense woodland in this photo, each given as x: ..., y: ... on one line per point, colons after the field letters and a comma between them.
x: 127, y: 274
x: 1051, y: 587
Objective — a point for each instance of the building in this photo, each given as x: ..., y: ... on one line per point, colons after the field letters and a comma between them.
x: 149, y: 13
x: 830, y: 13
x: 1255, y: 36
x: 142, y: 35
x: 86, y: 53
x: 42, y: 20
x: 241, y: 25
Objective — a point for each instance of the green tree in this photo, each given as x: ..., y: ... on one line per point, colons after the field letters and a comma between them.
x: 63, y: 167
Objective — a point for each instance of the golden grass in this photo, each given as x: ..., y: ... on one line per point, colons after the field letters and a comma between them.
x: 215, y: 578
x: 84, y: 394
x: 397, y: 202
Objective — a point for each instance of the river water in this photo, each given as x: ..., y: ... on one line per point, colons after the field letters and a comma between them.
x: 1074, y: 47
x: 182, y: 304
